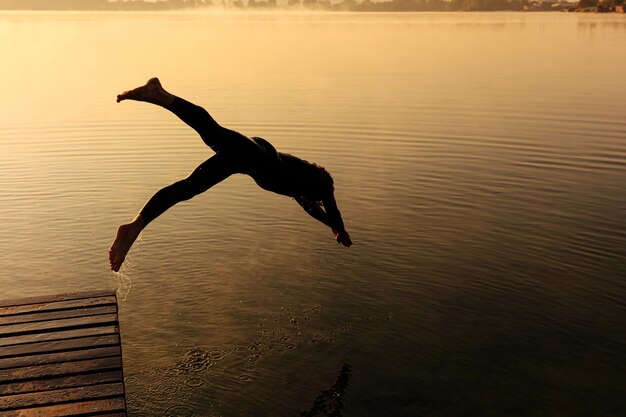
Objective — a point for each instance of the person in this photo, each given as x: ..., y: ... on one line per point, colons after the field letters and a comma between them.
x: 308, y: 183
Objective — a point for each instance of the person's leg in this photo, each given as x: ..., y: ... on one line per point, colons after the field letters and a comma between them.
x: 194, y: 116
x: 209, y: 173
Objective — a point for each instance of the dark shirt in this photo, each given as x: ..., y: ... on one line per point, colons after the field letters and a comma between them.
x: 289, y: 175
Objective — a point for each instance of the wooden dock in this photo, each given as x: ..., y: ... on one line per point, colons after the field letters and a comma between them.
x: 61, y: 356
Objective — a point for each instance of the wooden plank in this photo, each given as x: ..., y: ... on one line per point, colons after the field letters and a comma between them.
x: 58, y: 305
x: 53, y: 325
x: 111, y: 415
x: 70, y: 409
x: 59, y: 345
x: 59, y: 335
x: 61, y: 382
x: 57, y: 396
x: 58, y: 369
x: 57, y: 297
x: 54, y: 315
x: 59, y: 357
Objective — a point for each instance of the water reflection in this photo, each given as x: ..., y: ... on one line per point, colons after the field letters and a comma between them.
x: 170, y: 398
x: 330, y: 401
x: 175, y: 392
x: 193, y: 384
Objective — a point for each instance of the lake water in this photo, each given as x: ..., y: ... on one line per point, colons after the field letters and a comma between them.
x: 479, y: 162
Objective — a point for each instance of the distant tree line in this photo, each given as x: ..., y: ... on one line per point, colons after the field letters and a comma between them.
x: 398, y: 5
x: 602, y: 5
x: 345, y: 5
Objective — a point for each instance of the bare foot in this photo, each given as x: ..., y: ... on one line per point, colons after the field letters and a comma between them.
x: 152, y: 92
x: 126, y: 236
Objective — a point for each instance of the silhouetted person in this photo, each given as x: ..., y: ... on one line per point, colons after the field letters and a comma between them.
x: 309, y: 184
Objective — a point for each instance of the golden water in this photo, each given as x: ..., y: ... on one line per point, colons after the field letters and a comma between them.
x: 480, y: 164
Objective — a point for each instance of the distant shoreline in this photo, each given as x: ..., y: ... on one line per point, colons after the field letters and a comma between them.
x: 312, y: 5
x: 288, y: 5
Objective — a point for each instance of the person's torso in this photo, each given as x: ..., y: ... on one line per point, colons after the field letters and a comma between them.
x: 287, y: 174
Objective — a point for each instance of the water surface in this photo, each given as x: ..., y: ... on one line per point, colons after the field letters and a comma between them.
x: 479, y: 162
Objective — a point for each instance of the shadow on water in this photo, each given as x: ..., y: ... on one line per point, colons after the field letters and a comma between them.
x: 176, y: 401
x: 196, y: 384
x: 330, y: 401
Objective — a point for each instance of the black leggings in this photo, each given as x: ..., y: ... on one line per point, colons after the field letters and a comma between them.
x: 235, y: 153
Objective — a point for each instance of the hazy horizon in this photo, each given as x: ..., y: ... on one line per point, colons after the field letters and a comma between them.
x: 319, y: 5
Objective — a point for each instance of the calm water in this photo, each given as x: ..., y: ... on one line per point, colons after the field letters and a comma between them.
x: 480, y: 164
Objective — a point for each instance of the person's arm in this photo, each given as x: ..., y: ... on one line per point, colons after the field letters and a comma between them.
x: 331, y: 219
x: 335, y: 222
x: 314, y: 210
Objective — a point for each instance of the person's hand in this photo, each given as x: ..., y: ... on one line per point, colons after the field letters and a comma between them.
x: 343, y: 238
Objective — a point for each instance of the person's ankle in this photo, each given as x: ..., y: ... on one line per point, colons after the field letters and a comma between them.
x: 168, y: 99
x: 138, y: 222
